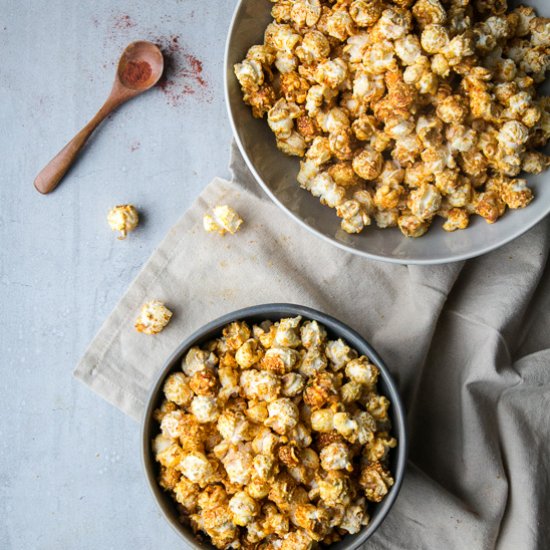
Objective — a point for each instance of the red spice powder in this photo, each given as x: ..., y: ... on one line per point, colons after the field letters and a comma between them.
x: 183, y: 72
x: 136, y: 72
x: 123, y: 21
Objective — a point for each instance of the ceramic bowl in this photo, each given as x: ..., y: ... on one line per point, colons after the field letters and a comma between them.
x: 274, y: 312
x: 276, y: 173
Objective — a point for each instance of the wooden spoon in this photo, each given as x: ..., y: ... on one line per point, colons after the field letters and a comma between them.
x: 140, y: 68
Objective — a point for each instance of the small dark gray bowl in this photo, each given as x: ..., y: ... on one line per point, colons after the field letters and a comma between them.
x: 274, y: 312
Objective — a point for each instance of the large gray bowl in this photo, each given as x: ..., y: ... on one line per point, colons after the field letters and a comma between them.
x: 276, y: 173
x: 336, y: 329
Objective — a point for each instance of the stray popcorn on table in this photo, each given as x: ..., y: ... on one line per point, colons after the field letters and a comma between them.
x: 274, y: 436
x: 404, y: 110
x: 153, y: 317
x: 123, y: 218
x: 222, y: 220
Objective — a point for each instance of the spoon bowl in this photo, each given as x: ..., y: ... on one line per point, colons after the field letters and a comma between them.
x: 143, y: 59
x: 139, y: 69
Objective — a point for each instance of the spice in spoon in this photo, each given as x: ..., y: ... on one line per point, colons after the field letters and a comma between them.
x: 136, y: 73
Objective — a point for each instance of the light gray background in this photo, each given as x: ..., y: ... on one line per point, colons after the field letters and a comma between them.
x: 70, y: 472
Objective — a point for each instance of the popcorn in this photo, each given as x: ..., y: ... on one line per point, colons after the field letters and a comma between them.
x: 176, y: 389
x: 331, y: 73
x: 186, y: 493
x: 259, y: 432
x: 283, y: 415
x: 515, y: 193
x: 222, y: 220
x: 339, y: 353
x: 248, y: 354
x: 408, y: 49
x: 197, y: 360
x: 424, y: 201
x: 365, y: 13
x: 281, y: 118
x: 457, y: 218
x: 375, y: 481
x: 153, y: 317
x: 205, y: 409
x: 281, y: 37
x: 439, y: 87
x: 368, y: 164
x: 196, y: 467
x: 435, y: 38
x: 336, y: 456
x: 362, y: 372
x: 394, y: 23
x: 428, y: 12
x: 243, y: 508
x: 250, y: 74
x: 512, y: 136
x: 314, y: 48
x: 204, y: 383
x: 287, y: 332
x: 411, y: 226
x: 262, y: 385
x: 339, y: 25
x: 354, y: 518
x: 305, y: 12
x: 313, y: 361
x: 123, y: 218
x: 280, y: 360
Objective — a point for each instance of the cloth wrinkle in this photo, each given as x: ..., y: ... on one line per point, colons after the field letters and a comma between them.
x: 468, y: 345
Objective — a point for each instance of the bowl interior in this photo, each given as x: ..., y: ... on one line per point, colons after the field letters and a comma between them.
x: 277, y: 172
x: 274, y: 312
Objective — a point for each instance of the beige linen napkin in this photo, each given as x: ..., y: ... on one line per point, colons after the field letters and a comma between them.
x: 468, y: 343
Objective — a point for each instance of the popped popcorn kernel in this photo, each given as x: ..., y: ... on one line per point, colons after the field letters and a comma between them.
x: 123, y: 218
x: 153, y: 317
x: 222, y: 220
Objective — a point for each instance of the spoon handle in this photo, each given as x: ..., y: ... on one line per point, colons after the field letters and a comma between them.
x: 50, y: 176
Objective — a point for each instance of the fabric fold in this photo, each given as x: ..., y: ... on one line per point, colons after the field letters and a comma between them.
x: 468, y: 344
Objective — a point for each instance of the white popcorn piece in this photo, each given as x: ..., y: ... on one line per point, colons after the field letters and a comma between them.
x: 283, y: 415
x: 339, y: 353
x: 292, y: 384
x: 287, y: 334
x: 336, y: 456
x: 196, y: 360
x: 312, y: 334
x: 261, y: 385
x: 153, y: 317
x: 205, y: 408
x: 223, y: 219
x: 176, y: 389
x: 362, y: 371
x: 243, y: 508
x: 237, y: 463
x: 123, y: 218
x: 250, y: 74
x: 196, y: 468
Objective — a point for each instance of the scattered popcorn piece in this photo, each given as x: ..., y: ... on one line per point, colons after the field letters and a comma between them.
x: 123, y: 218
x: 222, y: 220
x: 153, y: 317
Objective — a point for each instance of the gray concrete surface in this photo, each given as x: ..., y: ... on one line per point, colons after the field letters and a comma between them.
x: 70, y: 472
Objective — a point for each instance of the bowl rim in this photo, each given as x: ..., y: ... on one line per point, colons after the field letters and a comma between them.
x: 449, y: 258
x: 344, y: 331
